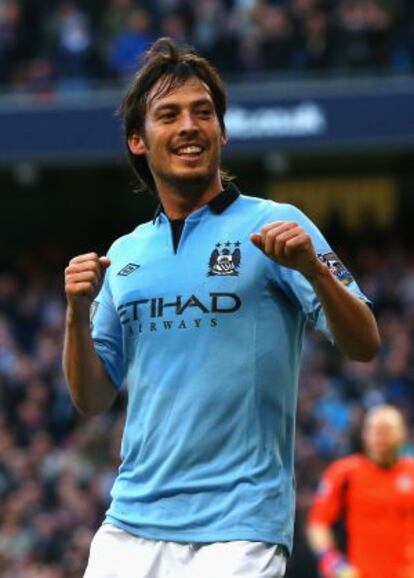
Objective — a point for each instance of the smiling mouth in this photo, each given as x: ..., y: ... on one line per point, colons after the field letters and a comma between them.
x: 189, y: 151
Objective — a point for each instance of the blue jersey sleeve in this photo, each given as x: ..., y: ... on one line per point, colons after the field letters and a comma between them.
x: 298, y: 287
x: 107, y: 334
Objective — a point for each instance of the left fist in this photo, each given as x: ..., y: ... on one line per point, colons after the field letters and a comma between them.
x: 290, y: 245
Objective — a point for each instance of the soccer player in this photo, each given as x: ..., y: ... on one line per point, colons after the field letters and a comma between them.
x: 373, y: 493
x: 201, y: 314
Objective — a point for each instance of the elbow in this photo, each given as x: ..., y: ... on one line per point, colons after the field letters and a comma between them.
x: 89, y: 407
x: 362, y: 357
x: 368, y: 351
x: 86, y: 410
x: 82, y: 406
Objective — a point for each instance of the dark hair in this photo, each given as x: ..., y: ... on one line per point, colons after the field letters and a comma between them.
x: 164, y: 60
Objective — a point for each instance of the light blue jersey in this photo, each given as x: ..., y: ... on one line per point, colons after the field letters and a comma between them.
x: 208, y: 341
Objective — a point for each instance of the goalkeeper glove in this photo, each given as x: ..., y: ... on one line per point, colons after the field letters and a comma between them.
x: 333, y: 564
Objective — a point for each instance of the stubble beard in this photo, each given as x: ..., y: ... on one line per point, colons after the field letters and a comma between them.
x: 192, y: 183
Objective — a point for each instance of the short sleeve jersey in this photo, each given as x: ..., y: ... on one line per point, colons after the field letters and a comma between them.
x: 377, y: 506
x: 207, y: 339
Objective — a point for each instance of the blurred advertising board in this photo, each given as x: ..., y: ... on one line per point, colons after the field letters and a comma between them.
x: 291, y: 116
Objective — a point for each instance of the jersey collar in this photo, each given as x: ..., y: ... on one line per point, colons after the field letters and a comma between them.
x: 218, y: 205
x: 224, y: 199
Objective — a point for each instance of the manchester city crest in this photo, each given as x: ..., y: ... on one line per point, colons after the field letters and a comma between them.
x: 225, y: 260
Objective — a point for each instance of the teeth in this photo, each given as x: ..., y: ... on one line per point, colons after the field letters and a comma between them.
x: 189, y: 150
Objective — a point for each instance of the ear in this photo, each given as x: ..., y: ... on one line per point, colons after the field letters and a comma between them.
x: 136, y: 145
x: 223, y: 139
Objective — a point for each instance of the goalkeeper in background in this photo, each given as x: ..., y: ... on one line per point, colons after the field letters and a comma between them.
x: 373, y: 494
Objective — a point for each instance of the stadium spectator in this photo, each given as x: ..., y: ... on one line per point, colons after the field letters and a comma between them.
x: 175, y: 26
x: 72, y: 48
x: 130, y: 43
x: 210, y: 17
x: 275, y: 37
x: 373, y: 493
x: 364, y: 35
x: 11, y: 39
x: 300, y: 10
x: 40, y: 78
x: 114, y: 20
x: 314, y: 43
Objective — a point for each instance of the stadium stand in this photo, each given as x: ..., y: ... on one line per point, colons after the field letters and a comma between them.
x: 77, y: 45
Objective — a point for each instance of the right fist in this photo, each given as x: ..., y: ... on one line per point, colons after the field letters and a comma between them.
x: 347, y: 572
x: 333, y: 564
x: 83, y: 278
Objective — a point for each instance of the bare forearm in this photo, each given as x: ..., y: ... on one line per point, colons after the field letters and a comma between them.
x: 320, y: 538
x: 91, y: 389
x: 350, y: 319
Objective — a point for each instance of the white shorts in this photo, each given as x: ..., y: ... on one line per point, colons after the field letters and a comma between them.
x: 117, y: 554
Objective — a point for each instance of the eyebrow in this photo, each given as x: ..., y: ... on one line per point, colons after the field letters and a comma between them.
x: 173, y: 105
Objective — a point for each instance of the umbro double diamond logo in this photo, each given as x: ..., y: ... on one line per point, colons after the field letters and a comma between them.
x: 128, y: 269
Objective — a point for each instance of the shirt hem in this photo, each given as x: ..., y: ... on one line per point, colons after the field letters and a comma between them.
x: 199, y: 537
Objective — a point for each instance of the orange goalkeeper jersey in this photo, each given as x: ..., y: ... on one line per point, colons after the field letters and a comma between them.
x: 377, y: 506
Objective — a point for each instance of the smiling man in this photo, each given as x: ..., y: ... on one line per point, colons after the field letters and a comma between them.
x: 188, y: 158
x: 201, y: 315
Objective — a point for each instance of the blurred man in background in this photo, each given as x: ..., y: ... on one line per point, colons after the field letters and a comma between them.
x: 373, y: 494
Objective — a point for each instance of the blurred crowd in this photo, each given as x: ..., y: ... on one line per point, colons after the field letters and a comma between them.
x: 57, y: 468
x: 50, y: 46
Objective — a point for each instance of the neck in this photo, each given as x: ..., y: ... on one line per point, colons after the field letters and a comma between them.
x: 179, y: 201
x: 385, y: 461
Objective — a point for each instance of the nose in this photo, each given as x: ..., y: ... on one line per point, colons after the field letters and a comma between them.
x: 188, y: 123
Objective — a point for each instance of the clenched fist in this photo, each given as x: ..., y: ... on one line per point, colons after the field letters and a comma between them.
x: 290, y: 245
x: 334, y: 564
x: 348, y: 572
x: 83, y: 280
